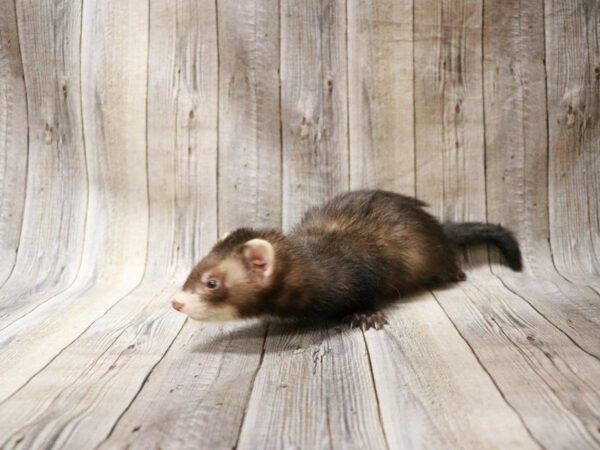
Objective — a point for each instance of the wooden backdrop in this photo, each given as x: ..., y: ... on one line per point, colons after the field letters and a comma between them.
x: 133, y: 132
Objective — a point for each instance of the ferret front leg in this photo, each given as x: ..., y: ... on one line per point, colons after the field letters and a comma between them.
x: 451, y: 276
x: 368, y: 319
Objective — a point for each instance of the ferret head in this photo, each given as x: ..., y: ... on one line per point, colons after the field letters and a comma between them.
x: 228, y: 282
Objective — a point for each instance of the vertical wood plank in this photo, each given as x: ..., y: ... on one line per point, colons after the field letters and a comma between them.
x: 534, y: 334
x: 78, y: 398
x: 409, y: 392
x: 219, y: 361
x: 249, y: 125
x: 449, y: 107
x: 56, y: 192
x: 296, y: 372
x: 516, y: 166
x: 320, y: 393
x: 314, y: 104
x: 182, y: 135
x: 114, y: 81
x: 515, y: 126
x: 380, y: 94
x: 573, y: 65
x: 421, y: 366
x: 549, y: 381
x: 114, y: 51
x: 517, y: 346
x: 13, y: 139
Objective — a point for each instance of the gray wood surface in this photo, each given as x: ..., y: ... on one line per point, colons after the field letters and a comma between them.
x: 132, y: 134
x: 13, y: 139
x: 573, y: 61
x: 380, y: 95
x: 314, y: 110
x: 249, y: 104
x: 517, y: 167
x: 54, y: 215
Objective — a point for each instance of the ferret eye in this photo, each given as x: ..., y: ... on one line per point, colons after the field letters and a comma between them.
x: 212, y: 284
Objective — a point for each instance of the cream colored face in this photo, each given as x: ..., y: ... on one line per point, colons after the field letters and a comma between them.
x: 191, y: 304
x: 207, y: 300
x: 217, y: 288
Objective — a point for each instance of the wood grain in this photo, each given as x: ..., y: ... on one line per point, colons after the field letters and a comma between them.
x: 515, y: 127
x: 133, y: 133
x: 421, y: 366
x: 296, y: 375
x: 210, y: 369
x: 115, y: 239
x: 197, y: 395
x: 303, y: 371
x: 56, y: 193
x: 550, y: 382
x: 81, y: 407
x: 530, y: 360
x: 517, y: 166
x: 13, y: 139
x: 314, y: 111
x: 573, y: 61
x: 82, y: 393
x: 249, y: 129
x: 449, y: 109
x: 182, y: 135
x: 380, y: 95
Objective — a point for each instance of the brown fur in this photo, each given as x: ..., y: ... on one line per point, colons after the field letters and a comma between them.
x: 353, y: 254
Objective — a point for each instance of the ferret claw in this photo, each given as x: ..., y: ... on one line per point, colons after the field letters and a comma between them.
x: 364, y: 321
x: 460, y: 275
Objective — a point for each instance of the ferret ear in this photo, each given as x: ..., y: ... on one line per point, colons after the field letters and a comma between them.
x: 259, y: 255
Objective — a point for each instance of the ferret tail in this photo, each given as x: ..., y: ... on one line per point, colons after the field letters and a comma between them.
x: 471, y: 233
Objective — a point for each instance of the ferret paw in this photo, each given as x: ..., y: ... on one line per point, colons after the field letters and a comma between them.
x: 450, y: 277
x: 460, y: 276
x: 365, y: 321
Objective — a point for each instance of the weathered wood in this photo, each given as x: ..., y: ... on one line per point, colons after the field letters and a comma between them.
x: 296, y: 375
x: 421, y: 366
x: 313, y: 104
x: 573, y: 66
x: 182, y: 135
x: 79, y: 396
x: 539, y: 371
x: 550, y: 382
x: 516, y: 166
x: 208, y: 372
x: 84, y: 391
x: 380, y: 94
x: 13, y: 139
x: 449, y: 107
x: 515, y: 126
x: 324, y: 372
x: 114, y: 95
x: 421, y: 336
x: 196, y: 396
x: 249, y: 125
x: 56, y: 193
x: 187, y: 118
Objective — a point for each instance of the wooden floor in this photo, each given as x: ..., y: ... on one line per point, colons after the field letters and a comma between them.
x: 133, y: 133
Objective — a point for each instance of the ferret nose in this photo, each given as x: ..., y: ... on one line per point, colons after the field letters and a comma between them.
x: 178, y: 306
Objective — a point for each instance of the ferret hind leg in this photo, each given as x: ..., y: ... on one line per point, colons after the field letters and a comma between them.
x: 367, y: 319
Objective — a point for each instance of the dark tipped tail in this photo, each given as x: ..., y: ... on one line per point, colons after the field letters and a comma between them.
x: 471, y: 233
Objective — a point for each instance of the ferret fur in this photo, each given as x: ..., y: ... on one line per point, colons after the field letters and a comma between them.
x: 351, y: 256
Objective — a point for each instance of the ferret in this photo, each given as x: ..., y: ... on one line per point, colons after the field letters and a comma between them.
x: 348, y: 258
